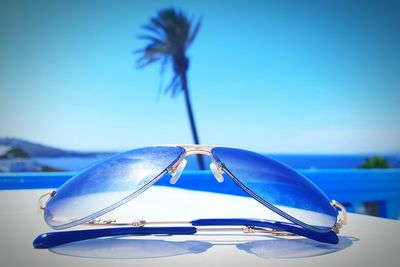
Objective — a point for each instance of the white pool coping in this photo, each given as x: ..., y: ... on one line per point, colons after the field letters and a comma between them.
x: 365, y: 241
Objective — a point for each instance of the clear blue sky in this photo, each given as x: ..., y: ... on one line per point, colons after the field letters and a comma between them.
x: 272, y: 76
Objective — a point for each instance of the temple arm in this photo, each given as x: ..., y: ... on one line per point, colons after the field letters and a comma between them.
x: 279, y: 228
x: 53, y: 239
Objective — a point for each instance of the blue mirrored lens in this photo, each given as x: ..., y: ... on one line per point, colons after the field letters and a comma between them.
x: 273, y: 183
x: 108, y: 184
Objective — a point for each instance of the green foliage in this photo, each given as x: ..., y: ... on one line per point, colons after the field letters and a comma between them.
x: 376, y: 162
x: 14, y: 153
x: 50, y: 169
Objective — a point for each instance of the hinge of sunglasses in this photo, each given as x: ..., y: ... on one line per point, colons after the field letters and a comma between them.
x: 43, y: 199
x: 342, y: 218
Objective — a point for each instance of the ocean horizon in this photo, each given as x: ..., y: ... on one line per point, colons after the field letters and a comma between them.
x: 296, y: 161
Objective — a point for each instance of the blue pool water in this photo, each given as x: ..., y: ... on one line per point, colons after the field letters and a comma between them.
x: 329, y: 161
x: 297, y: 161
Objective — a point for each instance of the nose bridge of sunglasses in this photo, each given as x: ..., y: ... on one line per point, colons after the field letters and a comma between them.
x: 191, y: 150
x: 217, y: 172
x: 197, y: 150
x: 177, y: 171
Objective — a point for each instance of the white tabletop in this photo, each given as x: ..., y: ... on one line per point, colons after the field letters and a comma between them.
x: 365, y: 241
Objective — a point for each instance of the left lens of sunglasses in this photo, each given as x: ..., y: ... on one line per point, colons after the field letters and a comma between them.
x: 108, y: 184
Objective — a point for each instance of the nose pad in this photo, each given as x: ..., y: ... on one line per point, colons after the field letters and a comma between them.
x: 217, y: 172
x: 177, y: 172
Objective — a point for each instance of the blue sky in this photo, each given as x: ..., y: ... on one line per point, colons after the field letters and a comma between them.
x: 272, y: 76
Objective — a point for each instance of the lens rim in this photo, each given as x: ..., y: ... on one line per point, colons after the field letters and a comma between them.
x: 92, y: 216
x: 263, y: 201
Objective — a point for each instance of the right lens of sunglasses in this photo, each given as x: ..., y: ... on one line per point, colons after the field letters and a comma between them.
x: 278, y: 187
x: 108, y: 184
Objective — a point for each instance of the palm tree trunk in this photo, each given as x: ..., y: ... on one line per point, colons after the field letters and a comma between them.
x: 196, y: 140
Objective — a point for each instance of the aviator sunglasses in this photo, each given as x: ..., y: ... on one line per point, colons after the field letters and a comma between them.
x: 305, y: 210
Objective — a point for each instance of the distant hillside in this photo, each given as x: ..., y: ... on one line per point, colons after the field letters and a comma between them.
x: 38, y: 150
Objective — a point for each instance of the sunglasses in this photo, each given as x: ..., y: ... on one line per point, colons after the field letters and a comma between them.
x: 305, y: 209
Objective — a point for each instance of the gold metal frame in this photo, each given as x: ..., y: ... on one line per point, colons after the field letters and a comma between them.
x: 197, y: 150
x: 342, y: 217
x: 192, y: 150
x: 141, y: 223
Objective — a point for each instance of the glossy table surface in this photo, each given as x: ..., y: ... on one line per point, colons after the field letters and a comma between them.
x: 365, y: 241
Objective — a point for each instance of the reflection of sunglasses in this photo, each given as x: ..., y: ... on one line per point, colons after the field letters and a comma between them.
x: 113, y: 182
x: 129, y: 248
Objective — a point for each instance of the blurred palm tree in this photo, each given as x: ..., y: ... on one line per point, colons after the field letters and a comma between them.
x: 169, y: 36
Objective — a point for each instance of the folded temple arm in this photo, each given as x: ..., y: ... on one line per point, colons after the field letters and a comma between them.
x: 53, y: 239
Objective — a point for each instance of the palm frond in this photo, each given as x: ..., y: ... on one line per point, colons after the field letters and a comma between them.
x: 150, y: 38
x: 151, y: 53
x: 164, y: 63
x: 174, y: 86
x: 156, y: 22
x: 152, y: 28
x: 193, y: 34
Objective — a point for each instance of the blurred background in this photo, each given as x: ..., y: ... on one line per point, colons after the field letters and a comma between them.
x: 314, y: 84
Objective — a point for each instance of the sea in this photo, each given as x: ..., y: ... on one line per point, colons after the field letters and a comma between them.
x: 296, y: 161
